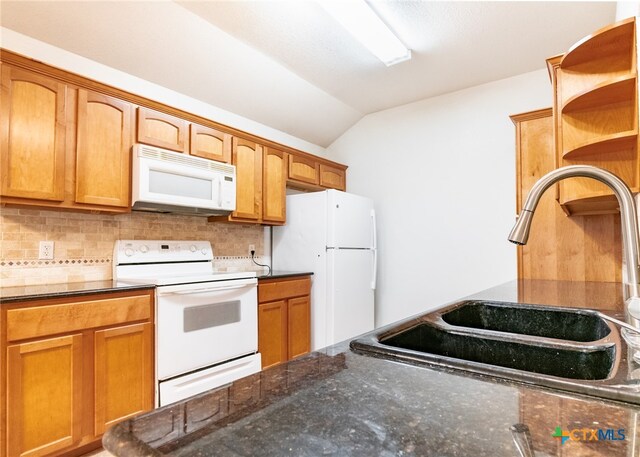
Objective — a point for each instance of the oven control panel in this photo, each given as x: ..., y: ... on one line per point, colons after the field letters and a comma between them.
x: 155, y: 251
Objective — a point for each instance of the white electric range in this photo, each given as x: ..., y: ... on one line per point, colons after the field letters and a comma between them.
x: 206, y: 322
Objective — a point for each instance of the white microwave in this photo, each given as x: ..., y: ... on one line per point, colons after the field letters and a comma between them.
x: 171, y: 182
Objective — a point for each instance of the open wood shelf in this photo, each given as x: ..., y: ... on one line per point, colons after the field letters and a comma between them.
x: 599, y: 123
x: 607, y: 204
x: 602, y: 145
x: 607, y: 92
x: 614, y: 39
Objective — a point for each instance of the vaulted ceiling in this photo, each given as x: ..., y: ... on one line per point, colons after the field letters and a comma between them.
x: 289, y: 65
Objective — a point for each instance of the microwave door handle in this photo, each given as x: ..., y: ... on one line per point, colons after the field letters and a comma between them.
x: 204, y: 290
x: 219, y: 192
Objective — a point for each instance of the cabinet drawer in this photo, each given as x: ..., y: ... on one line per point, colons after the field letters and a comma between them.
x: 44, y: 320
x: 279, y: 290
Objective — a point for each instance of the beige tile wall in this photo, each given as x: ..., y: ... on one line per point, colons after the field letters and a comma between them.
x: 84, y: 242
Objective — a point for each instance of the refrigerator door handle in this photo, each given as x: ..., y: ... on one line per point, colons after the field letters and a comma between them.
x: 374, y: 228
x: 374, y: 273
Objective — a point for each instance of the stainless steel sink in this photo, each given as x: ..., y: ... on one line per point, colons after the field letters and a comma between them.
x: 565, y: 348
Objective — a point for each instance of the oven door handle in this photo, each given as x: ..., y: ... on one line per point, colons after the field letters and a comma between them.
x: 188, y: 289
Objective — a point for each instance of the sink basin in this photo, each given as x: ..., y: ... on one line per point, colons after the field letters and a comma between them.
x: 569, y: 349
x: 571, y: 325
x: 546, y: 358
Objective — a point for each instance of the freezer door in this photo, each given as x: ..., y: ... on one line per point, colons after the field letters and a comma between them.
x: 350, y: 306
x: 350, y: 220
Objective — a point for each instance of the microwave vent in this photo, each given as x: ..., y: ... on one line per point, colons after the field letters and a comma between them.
x: 151, y: 152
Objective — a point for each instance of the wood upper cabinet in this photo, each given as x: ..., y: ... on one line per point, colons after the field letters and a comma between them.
x: 44, y: 396
x: 162, y: 130
x: 123, y: 374
x: 209, y: 143
x: 247, y: 157
x: 284, y: 319
x: 561, y: 248
x: 310, y: 174
x: 103, y: 148
x: 33, y: 124
x: 304, y: 170
x: 74, y: 367
x: 274, y: 181
x: 332, y: 177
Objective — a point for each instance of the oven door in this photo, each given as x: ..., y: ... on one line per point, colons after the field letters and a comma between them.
x: 203, y: 324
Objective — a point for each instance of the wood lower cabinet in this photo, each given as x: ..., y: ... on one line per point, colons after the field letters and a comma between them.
x: 284, y: 319
x: 44, y: 395
x: 123, y: 367
x: 74, y: 367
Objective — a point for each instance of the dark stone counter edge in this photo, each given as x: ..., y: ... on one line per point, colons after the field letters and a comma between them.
x: 285, y: 274
x: 30, y: 293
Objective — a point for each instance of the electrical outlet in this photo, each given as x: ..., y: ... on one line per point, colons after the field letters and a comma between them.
x: 46, y: 250
x: 252, y: 247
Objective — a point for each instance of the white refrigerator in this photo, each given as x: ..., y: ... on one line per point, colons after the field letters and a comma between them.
x: 332, y: 234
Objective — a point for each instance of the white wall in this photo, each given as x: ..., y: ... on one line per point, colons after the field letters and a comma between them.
x: 442, y: 174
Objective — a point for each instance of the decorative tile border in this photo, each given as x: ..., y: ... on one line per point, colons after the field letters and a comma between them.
x: 39, y: 263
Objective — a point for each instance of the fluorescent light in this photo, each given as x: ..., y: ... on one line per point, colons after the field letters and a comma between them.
x: 364, y: 24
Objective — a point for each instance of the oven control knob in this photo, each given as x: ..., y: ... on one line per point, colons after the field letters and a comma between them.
x: 144, y: 248
x: 204, y: 251
x: 128, y: 252
x: 193, y: 248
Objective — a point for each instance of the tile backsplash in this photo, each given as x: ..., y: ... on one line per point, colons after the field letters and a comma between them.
x: 84, y: 242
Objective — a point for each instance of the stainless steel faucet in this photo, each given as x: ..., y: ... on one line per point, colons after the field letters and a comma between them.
x: 628, y: 214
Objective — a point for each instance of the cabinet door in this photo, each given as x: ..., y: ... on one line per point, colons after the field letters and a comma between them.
x: 274, y: 186
x: 332, y: 177
x: 209, y: 143
x: 272, y: 332
x: 303, y: 169
x: 162, y: 130
x: 44, y: 391
x: 33, y: 135
x: 247, y: 157
x: 103, y: 150
x: 299, y: 326
x: 123, y: 374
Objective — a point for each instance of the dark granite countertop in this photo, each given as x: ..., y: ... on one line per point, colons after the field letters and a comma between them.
x: 71, y: 289
x: 337, y: 402
x: 276, y: 274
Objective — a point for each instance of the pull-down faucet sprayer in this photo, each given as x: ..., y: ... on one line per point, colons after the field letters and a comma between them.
x: 629, y: 218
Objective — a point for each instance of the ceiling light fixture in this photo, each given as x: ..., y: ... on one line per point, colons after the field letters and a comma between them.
x: 364, y: 24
